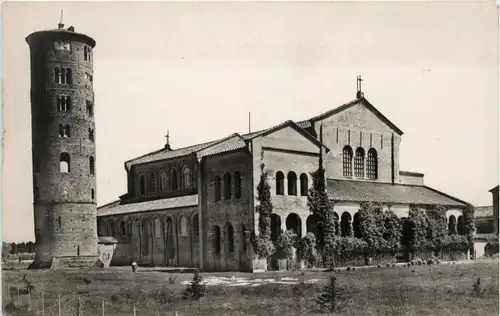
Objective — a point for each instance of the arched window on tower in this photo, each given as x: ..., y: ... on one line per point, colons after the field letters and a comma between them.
x: 152, y: 182
x: 91, y: 134
x: 292, y: 183
x: 85, y: 53
x: 68, y: 79
x: 64, y: 163
x: 64, y: 131
x: 92, y: 194
x: 186, y: 177
x: 227, y: 186
x: 237, y: 185
x: 63, y: 75
x: 91, y: 165
x: 359, y: 163
x: 280, y: 183
x: 57, y: 75
x: 347, y: 161
x: 303, y: 184
x: 372, y: 164
x: 90, y: 108
x: 63, y: 103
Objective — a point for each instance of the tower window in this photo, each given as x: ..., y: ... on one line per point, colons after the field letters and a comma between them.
x: 90, y: 108
x: 64, y: 163
x: 87, y: 54
x: 62, y: 46
x: 63, y: 103
x: 92, y: 194
x: 58, y: 75
x: 92, y: 165
x: 64, y: 130
x: 91, y: 134
x: 88, y: 77
x: 68, y: 79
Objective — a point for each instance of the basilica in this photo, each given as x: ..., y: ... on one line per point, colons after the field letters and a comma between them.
x: 195, y: 206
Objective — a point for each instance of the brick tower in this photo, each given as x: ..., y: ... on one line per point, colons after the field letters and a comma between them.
x: 63, y: 148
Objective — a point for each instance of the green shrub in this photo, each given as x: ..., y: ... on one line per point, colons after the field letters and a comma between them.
x: 196, y: 289
x: 350, y: 247
x: 307, y: 250
x: 284, y: 245
x: 491, y: 248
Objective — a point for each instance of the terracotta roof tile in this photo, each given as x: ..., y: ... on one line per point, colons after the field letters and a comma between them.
x: 483, y: 211
x: 358, y: 191
x: 181, y: 201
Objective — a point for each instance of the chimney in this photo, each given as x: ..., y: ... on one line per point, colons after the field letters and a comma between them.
x: 71, y: 28
x: 60, y: 25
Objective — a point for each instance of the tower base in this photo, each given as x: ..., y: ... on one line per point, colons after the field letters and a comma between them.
x: 70, y: 262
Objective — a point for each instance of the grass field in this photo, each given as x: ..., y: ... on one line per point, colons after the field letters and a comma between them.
x: 417, y: 290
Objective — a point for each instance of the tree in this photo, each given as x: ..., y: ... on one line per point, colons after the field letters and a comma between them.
x: 392, y: 231
x: 307, y: 249
x: 319, y: 203
x: 470, y: 227
x: 371, y: 226
x: 195, y: 289
x: 327, y: 299
x: 284, y: 245
x: 263, y: 245
x: 437, y: 227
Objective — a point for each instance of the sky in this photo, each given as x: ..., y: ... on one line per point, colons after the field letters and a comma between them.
x: 197, y: 69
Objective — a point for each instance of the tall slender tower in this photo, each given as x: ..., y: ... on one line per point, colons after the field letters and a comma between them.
x: 63, y: 148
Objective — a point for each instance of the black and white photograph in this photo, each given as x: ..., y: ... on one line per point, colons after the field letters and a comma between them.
x: 250, y: 158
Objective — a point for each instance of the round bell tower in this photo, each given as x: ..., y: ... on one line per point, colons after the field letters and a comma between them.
x: 63, y: 148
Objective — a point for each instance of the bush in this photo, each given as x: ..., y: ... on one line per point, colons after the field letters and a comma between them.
x: 307, y: 250
x: 327, y: 299
x: 263, y: 246
x: 196, y: 289
x: 284, y: 245
x: 491, y: 248
x: 350, y: 248
x: 455, y: 243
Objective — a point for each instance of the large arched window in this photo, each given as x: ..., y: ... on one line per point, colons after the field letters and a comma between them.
x: 292, y: 183
x: 227, y: 186
x: 216, y: 240
x: 163, y: 182
x: 230, y: 237
x: 186, y: 177
x: 64, y: 163
x: 142, y: 184
x: 237, y: 185
x: 68, y: 78
x: 359, y: 163
x: 152, y: 182
x: 303, y: 184
x: 57, y: 75
x: 183, y: 226
x: 280, y: 183
x: 174, y: 179
x: 158, y: 228
x: 217, y: 188
x: 91, y: 165
x: 347, y: 161
x: 372, y: 164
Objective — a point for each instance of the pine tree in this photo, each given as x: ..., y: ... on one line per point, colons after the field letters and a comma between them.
x: 263, y: 246
x: 195, y: 289
x: 319, y: 203
x: 327, y: 299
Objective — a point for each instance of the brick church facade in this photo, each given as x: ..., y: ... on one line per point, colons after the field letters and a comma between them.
x: 195, y: 206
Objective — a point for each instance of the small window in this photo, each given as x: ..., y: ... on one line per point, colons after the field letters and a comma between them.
x: 123, y: 228
x: 69, y: 78
x: 217, y: 188
x: 57, y: 75
x: 92, y: 165
x: 280, y: 183
x: 142, y: 185
x: 183, y: 229
x: 227, y: 186
x: 292, y: 183
x: 230, y: 238
x: 174, y: 179
x: 64, y: 131
x: 64, y: 163
x: 90, y: 108
x: 63, y: 103
x: 237, y: 185
x: 91, y: 134
x: 303, y: 184
x: 186, y: 176
x: 163, y: 182
x: 92, y: 194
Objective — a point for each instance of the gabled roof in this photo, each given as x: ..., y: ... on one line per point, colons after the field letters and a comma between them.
x: 288, y: 123
x: 309, y: 122
x: 359, y: 191
x: 169, y: 154
x: 495, y: 189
